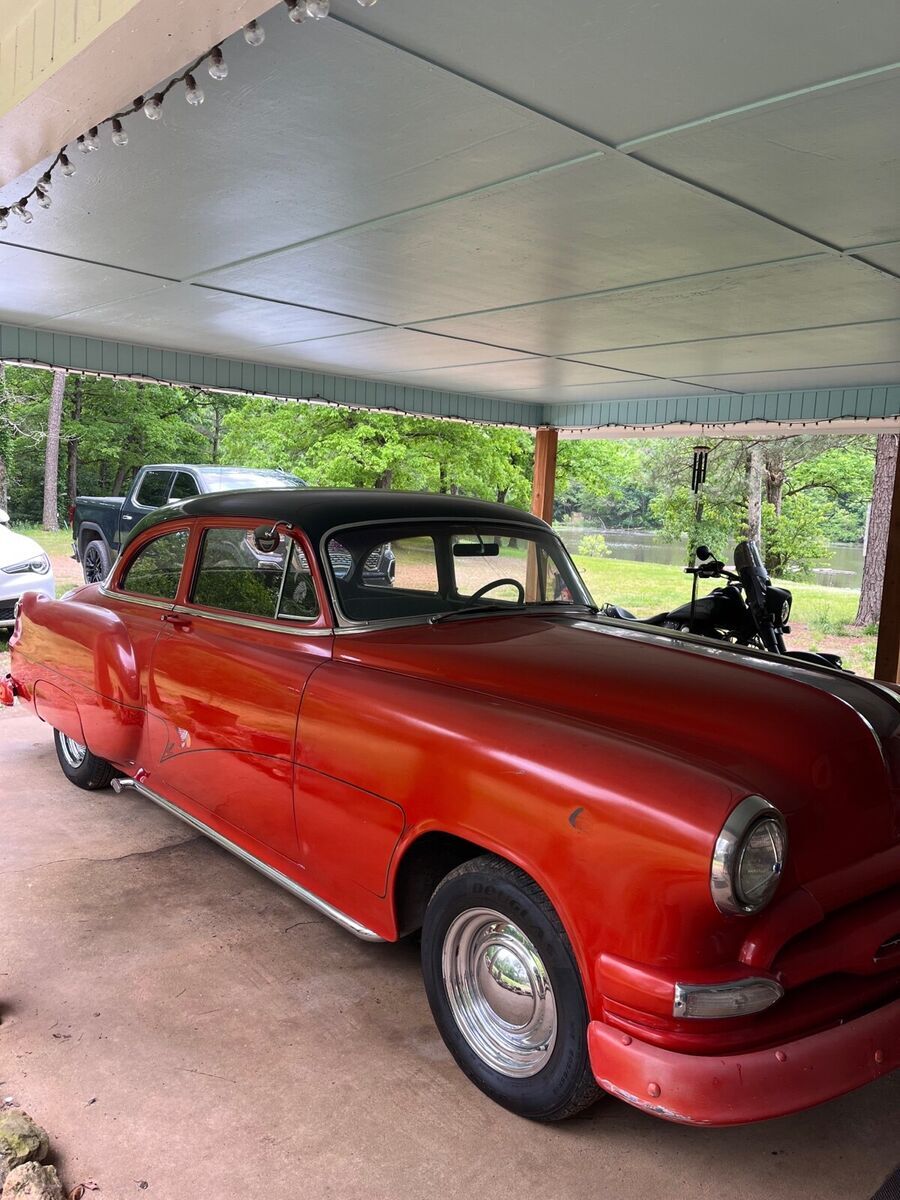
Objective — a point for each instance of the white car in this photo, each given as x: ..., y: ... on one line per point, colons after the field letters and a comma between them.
x: 24, y: 567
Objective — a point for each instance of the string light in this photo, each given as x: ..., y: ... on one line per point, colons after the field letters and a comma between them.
x: 254, y: 35
x: 218, y: 67
x: 193, y: 93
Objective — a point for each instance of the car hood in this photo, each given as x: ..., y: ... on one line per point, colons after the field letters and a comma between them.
x: 16, y: 548
x: 817, y: 743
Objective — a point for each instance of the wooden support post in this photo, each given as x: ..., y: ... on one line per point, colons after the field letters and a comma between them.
x: 544, y: 484
x: 543, y: 488
x: 887, y: 654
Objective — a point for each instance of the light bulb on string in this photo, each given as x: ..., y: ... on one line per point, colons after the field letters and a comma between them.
x: 43, y: 198
x: 45, y: 181
x: 193, y: 94
x: 22, y: 212
x: 153, y: 107
x: 119, y: 136
x: 4, y: 213
x: 318, y: 9
x: 296, y: 10
x: 66, y: 165
x: 366, y: 3
x: 90, y: 142
x: 218, y: 67
x: 254, y: 34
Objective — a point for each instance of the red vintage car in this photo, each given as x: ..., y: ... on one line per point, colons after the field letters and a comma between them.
x: 640, y: 861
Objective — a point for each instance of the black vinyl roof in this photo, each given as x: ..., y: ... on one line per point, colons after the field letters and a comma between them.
x: 316, y: 510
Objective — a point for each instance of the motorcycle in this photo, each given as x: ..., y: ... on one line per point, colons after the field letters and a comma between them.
x: 749, y: 610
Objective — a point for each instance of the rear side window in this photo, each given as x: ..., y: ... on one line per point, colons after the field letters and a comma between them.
x: 235, y: 575
x: 184, y: 487
x: 156, y: 568
x: 154, y: 489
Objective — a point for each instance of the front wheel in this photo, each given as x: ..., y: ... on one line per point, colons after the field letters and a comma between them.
x: 79, y: 766
x: 505, y: 990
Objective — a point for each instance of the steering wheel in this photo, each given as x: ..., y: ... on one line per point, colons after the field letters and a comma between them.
x: 489, y: 587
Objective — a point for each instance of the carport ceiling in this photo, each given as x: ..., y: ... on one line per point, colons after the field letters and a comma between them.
x: 542, y: 203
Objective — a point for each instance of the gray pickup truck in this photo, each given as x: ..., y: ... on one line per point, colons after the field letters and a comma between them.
x: 100, y: 524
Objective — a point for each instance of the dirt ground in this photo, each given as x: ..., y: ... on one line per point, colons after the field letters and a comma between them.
x: 183, y: 1028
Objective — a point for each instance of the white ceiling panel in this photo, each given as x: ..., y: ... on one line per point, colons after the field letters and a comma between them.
x: 620, y: 69
x: 392, y: 351
x: 547, y: 374
x: 864, y: 375
x: 827, y: 163
x: 887, y: 256
x: 805, y: 349
x: 39, y: 287
x: 195, y: 318
x: 320, y: 128
x: 822, y: 291
x: 648, y: 389
x: 599, y: 224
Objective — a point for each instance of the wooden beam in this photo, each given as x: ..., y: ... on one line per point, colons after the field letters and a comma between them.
x: 543, y: 486
x: 887, y: 654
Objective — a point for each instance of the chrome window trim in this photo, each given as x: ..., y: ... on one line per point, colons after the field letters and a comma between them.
x: 344, y: 624
x: 130, y: 598
x: 271, y: 626
x: 328, y: 910
x: 740, y: 820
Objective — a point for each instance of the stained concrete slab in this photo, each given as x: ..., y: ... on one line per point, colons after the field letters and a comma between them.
x: 173, y: 1018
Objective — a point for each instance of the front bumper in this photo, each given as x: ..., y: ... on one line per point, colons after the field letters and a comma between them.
x: 13, y: 586
x: 736, y: 1089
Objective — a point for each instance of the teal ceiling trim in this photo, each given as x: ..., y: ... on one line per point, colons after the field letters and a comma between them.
x: 42, y: 348
x: 731, y: 408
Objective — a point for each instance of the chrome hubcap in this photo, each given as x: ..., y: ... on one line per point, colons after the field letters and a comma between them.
x: 499, y: 992
x: 73, y: 752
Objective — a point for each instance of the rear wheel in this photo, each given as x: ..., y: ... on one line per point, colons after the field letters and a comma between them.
x: 79, y: 766
x: 95, y: 562
x: 505, y: 990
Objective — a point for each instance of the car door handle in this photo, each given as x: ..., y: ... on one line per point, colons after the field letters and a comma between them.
x: 177, y: 619
x: 127, y: 517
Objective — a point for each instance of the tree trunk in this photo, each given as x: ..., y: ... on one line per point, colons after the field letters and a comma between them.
x: 72, y: 443
x: 754, y: 494
x: 869, y: 609
x: 385, y: 479
x: 121, y: 472
x: 775, y: 472
x: 51, y: 455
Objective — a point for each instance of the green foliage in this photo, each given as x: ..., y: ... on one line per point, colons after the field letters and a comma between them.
x: 794, y: 538
x: 594, y: 546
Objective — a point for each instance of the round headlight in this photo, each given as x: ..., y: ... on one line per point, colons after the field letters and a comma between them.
x: 749, y: 857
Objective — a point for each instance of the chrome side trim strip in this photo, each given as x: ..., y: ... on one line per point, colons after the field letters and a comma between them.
x: 249, y: 623
x: 322, y: 906
x: 145, y: 601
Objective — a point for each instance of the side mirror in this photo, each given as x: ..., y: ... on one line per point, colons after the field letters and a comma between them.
x: 703, y: 553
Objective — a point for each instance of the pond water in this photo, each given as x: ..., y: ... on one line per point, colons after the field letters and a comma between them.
x: 841, y: 568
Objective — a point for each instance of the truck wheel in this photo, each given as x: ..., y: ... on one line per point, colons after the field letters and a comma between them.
x: 95, y: 562
x: 81, y: 767
x: 505, y: 991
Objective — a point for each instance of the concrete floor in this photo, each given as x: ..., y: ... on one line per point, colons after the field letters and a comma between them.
x: 173, y: 1018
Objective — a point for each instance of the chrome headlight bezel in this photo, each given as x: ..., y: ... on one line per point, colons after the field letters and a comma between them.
x: 724, y: 876
x: 38, y: 564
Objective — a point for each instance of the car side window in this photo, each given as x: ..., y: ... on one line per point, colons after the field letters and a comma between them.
x: 184, y: 487
x: 154, y: 489
x: 234, y: 574
x: 156, y: 568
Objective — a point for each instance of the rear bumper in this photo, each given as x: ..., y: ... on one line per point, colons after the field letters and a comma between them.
x: 736, y: 1089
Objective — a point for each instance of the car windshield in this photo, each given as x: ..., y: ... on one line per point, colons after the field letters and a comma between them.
x: 234, y: 479
x: 438, y: 569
